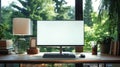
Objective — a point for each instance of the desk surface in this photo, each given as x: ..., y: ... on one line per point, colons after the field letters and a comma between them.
x: 37, y: 58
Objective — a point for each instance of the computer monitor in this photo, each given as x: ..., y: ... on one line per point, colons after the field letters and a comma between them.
x: 60, y: 33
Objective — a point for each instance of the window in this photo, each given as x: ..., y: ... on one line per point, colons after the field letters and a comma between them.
x: 54, y: 10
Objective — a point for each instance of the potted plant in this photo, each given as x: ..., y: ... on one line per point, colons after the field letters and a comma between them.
x: 105, y: 43
x: 3, y: 28
x: 6, y: 43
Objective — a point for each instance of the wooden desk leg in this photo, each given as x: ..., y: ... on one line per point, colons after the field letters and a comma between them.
x: 79, y: 65
x: 79, y: 49
x: 98, y: 64
x: 104, y: 64
x: 5, y: 65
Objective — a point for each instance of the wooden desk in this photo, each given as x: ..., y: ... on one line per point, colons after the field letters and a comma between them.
x: 37, y: 59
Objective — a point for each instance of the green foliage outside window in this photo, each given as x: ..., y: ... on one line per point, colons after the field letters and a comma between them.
x: 5, y: 25
x: 55, y: 10
x: 40, y: 10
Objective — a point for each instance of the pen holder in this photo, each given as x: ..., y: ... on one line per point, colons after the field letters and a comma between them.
x: 33, y: 51
x: 94, y: 50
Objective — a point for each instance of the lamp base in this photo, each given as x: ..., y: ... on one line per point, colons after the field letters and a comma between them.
x: 33, y: 50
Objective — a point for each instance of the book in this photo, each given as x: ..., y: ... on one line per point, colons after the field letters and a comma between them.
x: 118, y: 49
x: 114, y: 48
x: 3, y: 43
x: 111, y: 47
x: 5, y: 51
x: 6, y: 44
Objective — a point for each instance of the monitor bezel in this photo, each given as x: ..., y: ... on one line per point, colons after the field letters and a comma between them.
x: 63, y: 45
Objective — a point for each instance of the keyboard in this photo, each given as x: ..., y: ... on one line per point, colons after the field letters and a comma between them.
x: 58, y: 55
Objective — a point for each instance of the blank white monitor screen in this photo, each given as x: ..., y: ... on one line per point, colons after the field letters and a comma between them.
x: 61, y: 33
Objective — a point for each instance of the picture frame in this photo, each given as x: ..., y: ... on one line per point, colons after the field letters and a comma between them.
x: 33, y: 42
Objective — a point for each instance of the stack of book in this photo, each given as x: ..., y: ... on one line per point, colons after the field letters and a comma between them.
x: 6, y: 47
x: 115, y: 48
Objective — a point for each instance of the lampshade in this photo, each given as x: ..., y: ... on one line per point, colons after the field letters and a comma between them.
x: 22, y: 26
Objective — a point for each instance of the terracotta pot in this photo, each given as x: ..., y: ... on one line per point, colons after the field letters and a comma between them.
x: 105, y: 48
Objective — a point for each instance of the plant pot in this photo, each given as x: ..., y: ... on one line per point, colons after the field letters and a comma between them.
x: 105, y: 48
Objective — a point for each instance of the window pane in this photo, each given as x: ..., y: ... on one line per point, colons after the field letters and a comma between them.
x: 54, y: 10
x: 66, y: 11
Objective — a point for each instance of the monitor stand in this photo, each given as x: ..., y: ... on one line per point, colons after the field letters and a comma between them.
x: 59, y: 55
x: 60, y: 49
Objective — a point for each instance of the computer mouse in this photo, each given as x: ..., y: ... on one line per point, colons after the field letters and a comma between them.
x: 82, y: 56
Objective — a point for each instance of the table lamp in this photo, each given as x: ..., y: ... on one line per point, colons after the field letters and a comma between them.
x: 22, y: 27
